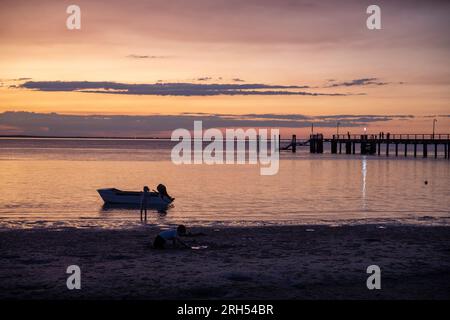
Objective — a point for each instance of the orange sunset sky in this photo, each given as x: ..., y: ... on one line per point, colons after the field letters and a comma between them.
x: 312, y: 58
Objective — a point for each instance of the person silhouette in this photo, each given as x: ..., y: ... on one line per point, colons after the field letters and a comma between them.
x: 163, y: 191
x: 144, y: 199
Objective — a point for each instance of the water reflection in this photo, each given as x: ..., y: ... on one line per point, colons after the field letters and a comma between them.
x: 364, y: 175
x: 120, y: 208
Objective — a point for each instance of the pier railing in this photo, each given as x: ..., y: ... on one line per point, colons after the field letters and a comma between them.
x: 396, y: 136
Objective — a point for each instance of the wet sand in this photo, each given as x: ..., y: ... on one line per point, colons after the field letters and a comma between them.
x: 289, y: 262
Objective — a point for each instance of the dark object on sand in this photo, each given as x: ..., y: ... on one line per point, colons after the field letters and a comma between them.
x: 426, y: 181
x: 199, y: 247
x: 159, y: 242
x: 174, y: 236
x: 170, y: 235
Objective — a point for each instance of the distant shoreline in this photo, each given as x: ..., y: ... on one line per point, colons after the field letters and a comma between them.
x: 81, y: 137
x: 96, y: 138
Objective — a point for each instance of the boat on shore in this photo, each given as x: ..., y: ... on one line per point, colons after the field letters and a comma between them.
x: 119, y: 197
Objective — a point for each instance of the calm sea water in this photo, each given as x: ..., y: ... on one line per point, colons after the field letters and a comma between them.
x: 53, y: 182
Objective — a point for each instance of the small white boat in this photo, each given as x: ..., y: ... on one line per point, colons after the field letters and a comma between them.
x: 116, y: 196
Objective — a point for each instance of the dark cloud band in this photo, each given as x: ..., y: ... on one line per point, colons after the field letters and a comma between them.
x: 53, y: 124
x: 356, y: 82
x: 172, y: 89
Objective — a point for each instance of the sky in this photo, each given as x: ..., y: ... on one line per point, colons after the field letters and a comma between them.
x: 252, y: 63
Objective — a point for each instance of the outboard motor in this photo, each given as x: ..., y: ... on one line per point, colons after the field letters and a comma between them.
x: 163, y: 191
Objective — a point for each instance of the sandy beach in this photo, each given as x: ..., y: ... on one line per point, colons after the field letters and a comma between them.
x: 288, y: 262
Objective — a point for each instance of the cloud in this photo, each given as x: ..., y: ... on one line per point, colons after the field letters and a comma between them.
x: 437, y: 116
x: 204, y: 79
x: 16, y: 79
x: 3, y: 82
x: 356, y: 82
x: 53, y: 124
x: 322, y: 120
x: 137, y: 56
x: 238, y: 80
x: 365, y: 118
x: 172, y: 89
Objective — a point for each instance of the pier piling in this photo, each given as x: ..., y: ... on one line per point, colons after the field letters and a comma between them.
x: 316, y: 143
x: 294, y: 143
x: 257, y: 143
x: 348, y: 147
x: 363, y: 144
x: 279, y: 142
x: 334, y: 145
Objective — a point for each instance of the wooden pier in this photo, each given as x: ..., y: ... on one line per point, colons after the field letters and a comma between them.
x: 370, y: 144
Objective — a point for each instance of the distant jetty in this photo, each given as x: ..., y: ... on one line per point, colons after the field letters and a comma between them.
x: 370, y: 144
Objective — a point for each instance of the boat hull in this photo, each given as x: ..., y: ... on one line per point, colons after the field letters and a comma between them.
x: 119, y: 197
